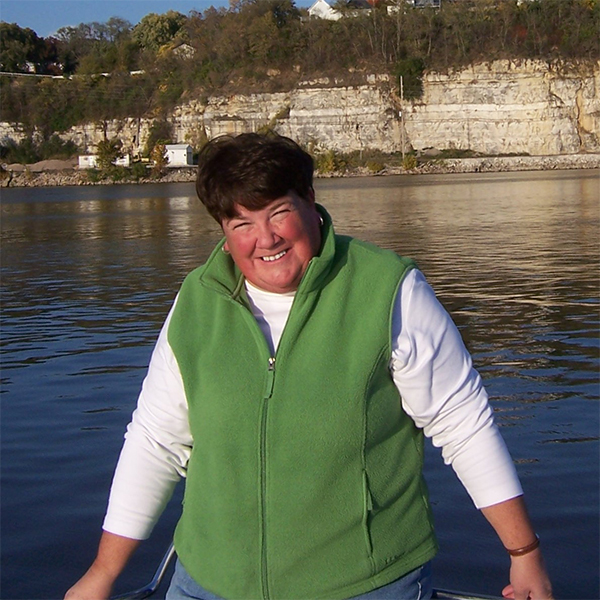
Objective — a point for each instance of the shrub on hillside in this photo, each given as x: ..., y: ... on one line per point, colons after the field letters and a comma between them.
x: 409, y: 162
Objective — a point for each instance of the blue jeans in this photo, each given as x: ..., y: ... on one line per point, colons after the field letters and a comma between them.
x: 416, y: 585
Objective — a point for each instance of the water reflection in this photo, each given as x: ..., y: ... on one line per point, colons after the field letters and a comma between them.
x: 88, y: 275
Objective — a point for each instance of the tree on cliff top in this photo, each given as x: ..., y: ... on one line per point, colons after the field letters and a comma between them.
x: 155, y: 31
x: 264, y: 46
x: 97, y: 47
x: 21, y: 49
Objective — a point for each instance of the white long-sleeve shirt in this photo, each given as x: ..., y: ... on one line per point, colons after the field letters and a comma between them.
x: 440, y: 391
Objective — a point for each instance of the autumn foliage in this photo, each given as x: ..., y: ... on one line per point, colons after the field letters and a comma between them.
x: 116, y: 70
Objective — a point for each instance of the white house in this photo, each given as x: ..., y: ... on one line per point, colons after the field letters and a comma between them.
x: 322, y: 10
x: 90, y: 161
x: 179, y: 155
x: 427, y: 3
x: 394, y: 8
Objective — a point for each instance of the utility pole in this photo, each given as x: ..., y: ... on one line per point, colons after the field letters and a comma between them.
x: 402, y: 113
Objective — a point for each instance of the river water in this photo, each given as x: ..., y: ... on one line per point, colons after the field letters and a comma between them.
x: 88, y: 275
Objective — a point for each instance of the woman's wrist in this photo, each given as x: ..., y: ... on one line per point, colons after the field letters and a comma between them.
x: 525, y: 549
x: 106, y: 572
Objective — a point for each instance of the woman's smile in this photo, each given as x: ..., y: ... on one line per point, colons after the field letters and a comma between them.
x: 274, y: 245
x: 276, y: 257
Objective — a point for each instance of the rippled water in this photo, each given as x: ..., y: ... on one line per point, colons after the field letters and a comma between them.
x: 88, y: 275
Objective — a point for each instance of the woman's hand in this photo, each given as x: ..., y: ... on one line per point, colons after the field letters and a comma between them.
x: 528, y: 578
x: 113, y: 553
x: 94, y: 585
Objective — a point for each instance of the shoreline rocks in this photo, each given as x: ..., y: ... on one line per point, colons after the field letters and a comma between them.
x: 23, y: 176
x: 496, y: 164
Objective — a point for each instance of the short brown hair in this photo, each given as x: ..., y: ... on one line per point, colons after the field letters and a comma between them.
x: 251, y: 170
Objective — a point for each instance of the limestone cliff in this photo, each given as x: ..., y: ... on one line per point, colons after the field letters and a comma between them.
x: 504, y: 107
x: 501, y: 107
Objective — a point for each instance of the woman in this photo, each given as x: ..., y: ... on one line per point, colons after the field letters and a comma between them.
x: 291, y: 385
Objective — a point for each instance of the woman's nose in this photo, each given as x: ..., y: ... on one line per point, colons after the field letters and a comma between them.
x: 266, y: 236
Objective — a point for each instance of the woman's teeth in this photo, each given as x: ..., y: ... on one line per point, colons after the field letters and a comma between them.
x: 272, y: 258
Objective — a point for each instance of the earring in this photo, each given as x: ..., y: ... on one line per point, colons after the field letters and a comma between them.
x: 224, y: 250
x: 321, y: 220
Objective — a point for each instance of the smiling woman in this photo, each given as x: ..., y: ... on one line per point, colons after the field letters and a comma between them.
x: 292, y: 385
x: 261, y: 193
x: 273, y: 246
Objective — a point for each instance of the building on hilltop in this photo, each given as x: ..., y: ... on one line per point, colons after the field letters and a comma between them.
x: 321, y: 9
x: 426, y: 3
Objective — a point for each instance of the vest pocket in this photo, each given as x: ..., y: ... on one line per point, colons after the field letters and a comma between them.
x: 367, y: 509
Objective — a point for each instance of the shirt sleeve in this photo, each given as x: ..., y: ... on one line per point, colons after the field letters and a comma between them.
x: 156, y: 451
x: 444, y: 394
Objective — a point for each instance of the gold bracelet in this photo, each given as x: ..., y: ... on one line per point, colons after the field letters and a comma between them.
x: 525, y: 549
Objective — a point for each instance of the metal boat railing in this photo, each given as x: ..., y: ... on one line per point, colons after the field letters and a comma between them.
x: 151, y: 587
x: 447, y: 595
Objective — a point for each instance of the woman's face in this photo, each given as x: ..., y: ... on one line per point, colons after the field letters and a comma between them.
x: 273, y: 246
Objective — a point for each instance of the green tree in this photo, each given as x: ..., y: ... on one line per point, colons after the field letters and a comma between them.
x: 409, y: 71
x: 158, y: 156
x: 97, y: 47
x: 53, y: 107
x: 155, y: 31
x: 115, y: 29
x: 271, y: 27
x: 109, y: 151
x: 18, y: 47
x: 160, y: 132
x: 47, y: 57
x: 74, y: 44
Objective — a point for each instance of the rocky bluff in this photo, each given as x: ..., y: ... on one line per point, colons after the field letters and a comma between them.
x: 500, y: 107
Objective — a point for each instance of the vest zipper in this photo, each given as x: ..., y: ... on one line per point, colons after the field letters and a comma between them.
x: 270, y: 378
x: 263, y: 474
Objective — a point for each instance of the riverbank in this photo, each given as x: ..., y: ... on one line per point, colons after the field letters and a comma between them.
x: 62, y: 173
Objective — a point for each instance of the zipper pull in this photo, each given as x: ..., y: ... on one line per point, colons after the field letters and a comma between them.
x: 270, y: 377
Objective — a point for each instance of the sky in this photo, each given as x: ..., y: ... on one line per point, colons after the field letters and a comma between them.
x: 45, y: 17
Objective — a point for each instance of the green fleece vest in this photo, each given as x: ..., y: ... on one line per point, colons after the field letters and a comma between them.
x: 305, y: 475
